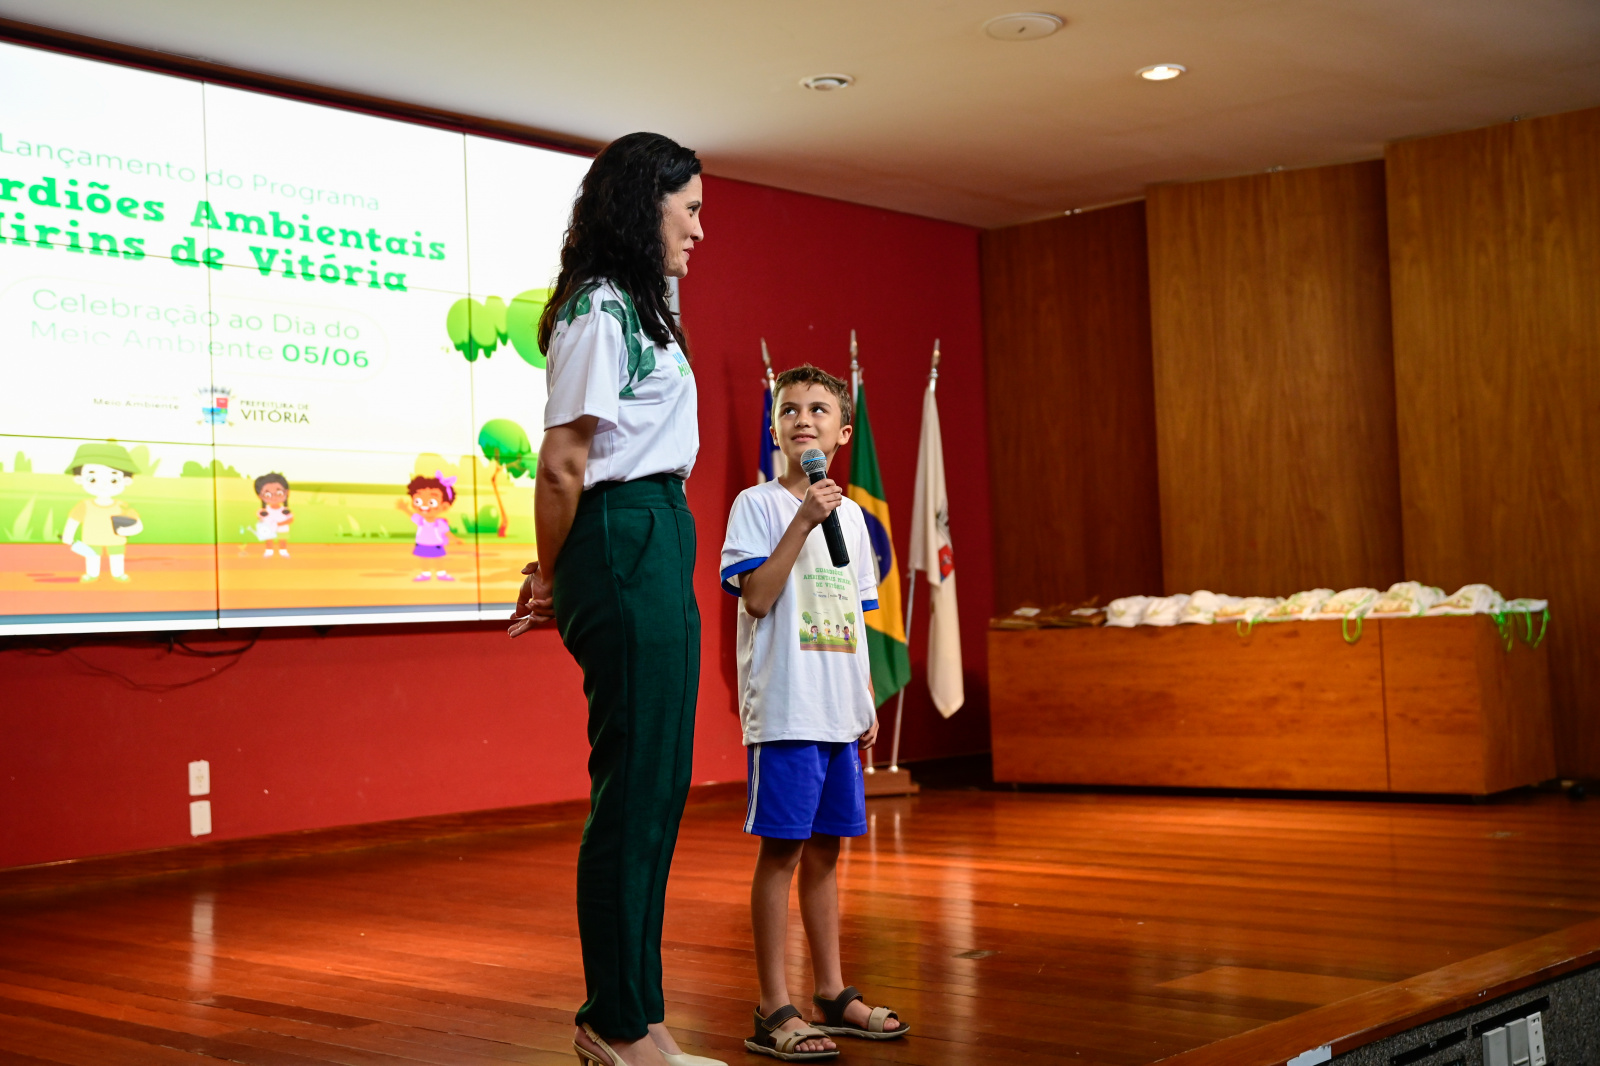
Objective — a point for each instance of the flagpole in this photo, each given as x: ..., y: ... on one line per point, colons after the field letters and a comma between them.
x: 855, y: 368
x: 911, y: 596
x: 855, y: 395
x: 766, y: 361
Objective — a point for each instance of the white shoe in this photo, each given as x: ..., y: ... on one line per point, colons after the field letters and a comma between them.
x: 267, y: 554
x: 284, y: 552
x: 685, y: 1059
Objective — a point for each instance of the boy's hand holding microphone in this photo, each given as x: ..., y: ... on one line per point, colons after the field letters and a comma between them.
x: 815, y: 464
x: 822, y: 498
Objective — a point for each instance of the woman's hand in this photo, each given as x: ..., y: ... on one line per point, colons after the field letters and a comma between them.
x: 535, y: 603
x: 822, y: 498
x: 870, y: 737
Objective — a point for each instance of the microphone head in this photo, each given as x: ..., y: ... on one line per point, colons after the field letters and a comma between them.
x: 812, y: 461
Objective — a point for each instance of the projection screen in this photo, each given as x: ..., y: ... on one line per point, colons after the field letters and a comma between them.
x: 262, y: 362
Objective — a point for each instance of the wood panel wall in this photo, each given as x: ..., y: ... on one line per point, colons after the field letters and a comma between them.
x: 1495, y: 242
x: 1066, y: 313
x: 1274, y: 381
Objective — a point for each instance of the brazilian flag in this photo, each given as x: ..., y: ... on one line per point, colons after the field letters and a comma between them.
x: 886, y: 629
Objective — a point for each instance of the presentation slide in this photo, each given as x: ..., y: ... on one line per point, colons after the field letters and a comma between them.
x: 264, y: 362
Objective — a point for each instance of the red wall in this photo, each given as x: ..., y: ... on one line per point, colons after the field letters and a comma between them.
x: 372, y: 723
x: 802, y: 272
x: 366, y: 724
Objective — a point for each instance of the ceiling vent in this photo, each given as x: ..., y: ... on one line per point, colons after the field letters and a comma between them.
x: 1023, y: 26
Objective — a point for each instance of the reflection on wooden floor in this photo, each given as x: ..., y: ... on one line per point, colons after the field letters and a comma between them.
x: 1287, y: 985
x: 1018, y: 929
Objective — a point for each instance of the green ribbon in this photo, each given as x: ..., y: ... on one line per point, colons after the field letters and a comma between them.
x: 1507, y: 628
x: 1344, y: 627
x: 1528, y: 638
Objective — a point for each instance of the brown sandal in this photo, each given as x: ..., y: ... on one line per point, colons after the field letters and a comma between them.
x: 836, y: 1025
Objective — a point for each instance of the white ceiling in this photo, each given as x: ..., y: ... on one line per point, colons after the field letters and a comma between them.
x: 942, y: 121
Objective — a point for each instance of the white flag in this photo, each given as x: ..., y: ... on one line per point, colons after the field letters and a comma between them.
x: 932, y: 554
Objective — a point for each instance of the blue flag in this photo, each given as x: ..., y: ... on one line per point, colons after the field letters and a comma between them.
x: 770, y: 464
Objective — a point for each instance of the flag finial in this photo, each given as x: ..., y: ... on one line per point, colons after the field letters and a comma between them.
x: 933, y: 371
x: 855, y: 363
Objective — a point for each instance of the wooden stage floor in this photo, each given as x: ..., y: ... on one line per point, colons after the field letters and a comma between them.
x: 1006, y: 928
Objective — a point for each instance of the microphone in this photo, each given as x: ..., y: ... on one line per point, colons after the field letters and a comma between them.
x: 815, y: 464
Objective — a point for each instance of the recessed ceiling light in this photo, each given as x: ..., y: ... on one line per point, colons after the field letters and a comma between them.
x: 827, y: 83
x: 1161, y: 71
x: 1023, y: 26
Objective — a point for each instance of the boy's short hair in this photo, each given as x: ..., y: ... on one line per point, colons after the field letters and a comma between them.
x: 806, y: 374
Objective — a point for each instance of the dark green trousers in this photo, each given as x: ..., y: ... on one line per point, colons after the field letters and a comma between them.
x: 624, y: 603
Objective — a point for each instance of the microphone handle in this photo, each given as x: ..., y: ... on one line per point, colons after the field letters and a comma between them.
x: 835, y: 538
x: 831, y: 531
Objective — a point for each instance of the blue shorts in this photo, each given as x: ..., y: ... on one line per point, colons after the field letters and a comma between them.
x: 801, y: 787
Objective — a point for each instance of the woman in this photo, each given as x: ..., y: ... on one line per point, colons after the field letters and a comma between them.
x: 616, y: 562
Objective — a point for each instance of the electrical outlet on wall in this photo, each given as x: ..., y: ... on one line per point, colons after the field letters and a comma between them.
x: 200, y: 777
x: 1497, y: 1047
x: 199, y: 818
x: 1517, y: 1041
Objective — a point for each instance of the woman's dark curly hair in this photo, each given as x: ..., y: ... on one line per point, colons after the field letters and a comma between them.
x: 615, y: 232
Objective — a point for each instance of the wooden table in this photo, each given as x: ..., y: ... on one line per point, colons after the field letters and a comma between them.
x: 1416, y: 705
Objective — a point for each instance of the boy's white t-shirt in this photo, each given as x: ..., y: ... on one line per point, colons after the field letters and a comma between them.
x: 803, y: 669
x: 602, y: 363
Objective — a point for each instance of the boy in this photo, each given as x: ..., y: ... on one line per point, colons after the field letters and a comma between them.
x: 104, y: 469
x: 805, y: 704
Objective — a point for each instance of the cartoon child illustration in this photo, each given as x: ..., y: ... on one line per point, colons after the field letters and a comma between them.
x: 104, y: 469
x: 430, y: 498
x: 274, y: 518
x: 844, y: 631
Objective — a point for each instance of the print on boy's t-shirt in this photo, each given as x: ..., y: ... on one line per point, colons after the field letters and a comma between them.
x: 827, y: 603
x: 785, y: 691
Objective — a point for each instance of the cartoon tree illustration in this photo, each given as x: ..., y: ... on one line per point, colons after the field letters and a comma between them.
x: 480, y: 328
x: 506, y: 445
x: 476, y: 328
x: 522, y: 324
